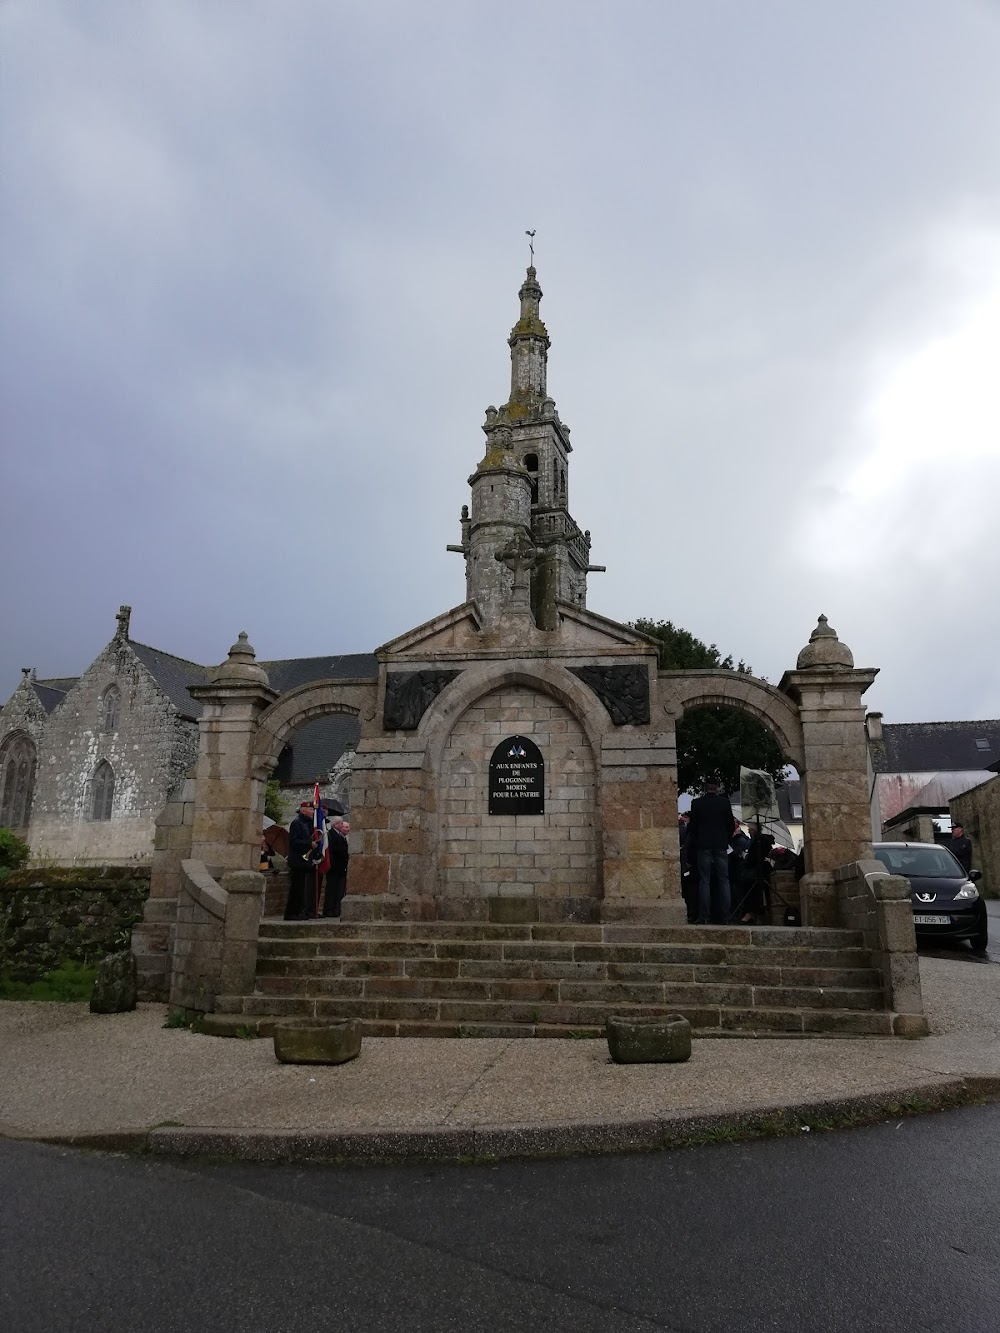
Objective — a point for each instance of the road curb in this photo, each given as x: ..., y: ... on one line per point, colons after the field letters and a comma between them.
x: 490, y: 1143
x: 502, y: 1142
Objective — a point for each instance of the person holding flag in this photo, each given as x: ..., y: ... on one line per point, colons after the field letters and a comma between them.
x: 301, y: 840
x: 319, y: 855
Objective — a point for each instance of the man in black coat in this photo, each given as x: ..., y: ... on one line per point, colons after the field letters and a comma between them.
x: 336, y: 876
x: 960, y: 847
x: 710, y: 827
x: 301, y: 869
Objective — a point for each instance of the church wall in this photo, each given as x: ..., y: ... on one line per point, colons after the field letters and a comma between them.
x: 549, y: 855
x: 149, y: 752
x: 23, y: 713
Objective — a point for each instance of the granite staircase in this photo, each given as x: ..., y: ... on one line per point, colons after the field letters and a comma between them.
x: 478, y: 979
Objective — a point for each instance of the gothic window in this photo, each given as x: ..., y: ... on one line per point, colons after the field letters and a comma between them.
x: 17, y: 781
x: 103, y: 795
x: 112, y: 707
x: 531, y: 467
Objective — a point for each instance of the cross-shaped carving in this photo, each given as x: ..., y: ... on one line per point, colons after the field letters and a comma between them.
x: 520, y: 555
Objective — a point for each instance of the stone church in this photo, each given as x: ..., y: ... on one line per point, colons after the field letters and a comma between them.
x: 514, y: 851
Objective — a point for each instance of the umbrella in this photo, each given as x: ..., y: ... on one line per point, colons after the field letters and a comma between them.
x: 276, y: 837
x: 333, y: 807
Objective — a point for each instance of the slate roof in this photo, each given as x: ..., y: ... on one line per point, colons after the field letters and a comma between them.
x: 173, y: 675
x: 291, y: 672
x: 48, y: 695
x: 315, y: 748
x: 936, y: 747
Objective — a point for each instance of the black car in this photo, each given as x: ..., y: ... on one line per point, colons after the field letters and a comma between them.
x: 946, y: 903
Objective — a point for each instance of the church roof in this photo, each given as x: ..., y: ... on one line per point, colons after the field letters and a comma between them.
x: 291, y: 672
x: 51, y: 695
x: 173, y: 675
x: 315, y: 747
x: 935, y: 747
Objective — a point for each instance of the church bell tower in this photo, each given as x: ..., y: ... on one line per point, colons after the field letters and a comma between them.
x: 520, y: 490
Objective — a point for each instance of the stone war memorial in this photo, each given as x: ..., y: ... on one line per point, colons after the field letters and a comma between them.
x: 514, y: 849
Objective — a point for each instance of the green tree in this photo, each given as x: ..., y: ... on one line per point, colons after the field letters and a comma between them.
x: 712, y: 741
x: 274, y: 804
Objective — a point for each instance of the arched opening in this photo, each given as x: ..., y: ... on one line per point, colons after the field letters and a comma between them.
x: 17, y: 780
x: 112, y: 708
x: 319, y: 749
x: 102, y: 794
x: 754, y: 878
x: 531, y: 467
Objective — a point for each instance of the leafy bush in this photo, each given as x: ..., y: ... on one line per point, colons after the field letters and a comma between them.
x: 14, y: 853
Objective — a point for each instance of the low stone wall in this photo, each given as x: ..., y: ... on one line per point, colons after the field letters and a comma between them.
x: 215, y: 939
x: 878, y: 905
x: 64, y: 914
x: 978, y: 811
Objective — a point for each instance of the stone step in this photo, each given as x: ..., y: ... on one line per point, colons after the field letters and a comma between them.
x: 743, y: 953
x: 423, y: 1019
x: 274, y: 929
x: 606, y: 993
x: 308, y: 969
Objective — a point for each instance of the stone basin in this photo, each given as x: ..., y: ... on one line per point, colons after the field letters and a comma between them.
x: 331, y: 1042
x: 662, y: 1039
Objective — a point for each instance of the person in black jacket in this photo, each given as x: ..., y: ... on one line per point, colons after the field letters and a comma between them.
x: 336, y: 876
x: 301, y: 868
x: 960, y: 847
x: 710, y: 827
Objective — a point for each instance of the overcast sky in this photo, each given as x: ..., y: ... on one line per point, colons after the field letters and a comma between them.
x: 261, y: 261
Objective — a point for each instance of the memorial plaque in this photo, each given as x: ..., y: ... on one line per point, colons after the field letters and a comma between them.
x: 517, y: 778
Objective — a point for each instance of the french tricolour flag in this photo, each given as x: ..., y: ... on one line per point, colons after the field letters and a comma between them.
x: 319, y: 822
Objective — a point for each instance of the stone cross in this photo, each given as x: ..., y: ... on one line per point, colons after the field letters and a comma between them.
x: 520, y: 555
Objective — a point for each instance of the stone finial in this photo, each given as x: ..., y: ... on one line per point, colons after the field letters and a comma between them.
x: 241, y: 666
x: 123, y: 617
x: 824, y: 649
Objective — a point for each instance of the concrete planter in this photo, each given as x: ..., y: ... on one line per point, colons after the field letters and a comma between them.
x: 323, y: 1043
x: 658, y: 1040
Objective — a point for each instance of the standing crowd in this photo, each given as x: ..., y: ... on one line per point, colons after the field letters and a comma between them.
x: 725, y: 872
x: 317, y: 852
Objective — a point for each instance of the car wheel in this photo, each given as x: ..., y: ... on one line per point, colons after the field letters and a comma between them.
x: 979, y: 941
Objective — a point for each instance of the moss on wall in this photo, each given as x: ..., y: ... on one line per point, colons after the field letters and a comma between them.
x: 56, y: 915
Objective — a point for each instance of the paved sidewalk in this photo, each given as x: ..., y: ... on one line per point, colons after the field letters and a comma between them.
x: 125, y: 1079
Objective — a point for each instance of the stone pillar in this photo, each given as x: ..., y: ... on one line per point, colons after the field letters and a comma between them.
x: 828, y: 689
x: 638, y: 793
x: 228, y: 796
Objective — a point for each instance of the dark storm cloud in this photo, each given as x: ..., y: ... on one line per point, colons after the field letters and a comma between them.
x: 262, y: 261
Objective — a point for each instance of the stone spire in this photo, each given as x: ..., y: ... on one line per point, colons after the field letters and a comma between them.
x: 520, y: 490
x: 529, y: 351
x: 824, y: 649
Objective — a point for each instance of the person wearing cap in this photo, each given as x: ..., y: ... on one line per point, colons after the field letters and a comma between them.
x: 710, y: 826
x: 960, y: 847
x: 300, y: 867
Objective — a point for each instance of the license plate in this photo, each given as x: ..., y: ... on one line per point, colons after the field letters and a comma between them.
x: 921, y: 920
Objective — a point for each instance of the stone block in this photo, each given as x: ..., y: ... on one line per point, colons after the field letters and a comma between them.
x: 328, y: 1042
x: 655, y: 1040
x: 115, y: 984
x: 895, y: 927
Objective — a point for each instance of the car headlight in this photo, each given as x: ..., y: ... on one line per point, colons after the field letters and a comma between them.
x: 968, y: 890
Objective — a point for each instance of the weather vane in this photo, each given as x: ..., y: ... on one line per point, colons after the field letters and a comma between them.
x: 531, y: 245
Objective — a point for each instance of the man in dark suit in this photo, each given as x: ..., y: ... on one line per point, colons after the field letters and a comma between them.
x: 336, y: 876
x: 710, y: 827
x: 301, y: 837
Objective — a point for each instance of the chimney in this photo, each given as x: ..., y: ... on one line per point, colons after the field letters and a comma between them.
x: 873, y: 723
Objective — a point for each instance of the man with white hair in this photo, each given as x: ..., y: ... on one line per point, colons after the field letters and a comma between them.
x: 336, y: 877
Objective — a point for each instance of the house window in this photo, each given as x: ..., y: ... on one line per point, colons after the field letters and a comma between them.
x: 17, y: 781
x: 112, y: 707
x: 103, y: 794
x: 982, y: 743
x: 796, y: 812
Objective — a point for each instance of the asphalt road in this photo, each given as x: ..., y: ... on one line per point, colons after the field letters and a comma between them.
x: 893, y: 1227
